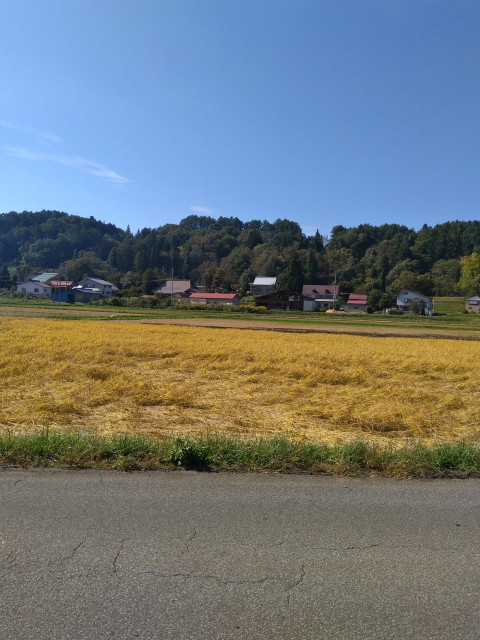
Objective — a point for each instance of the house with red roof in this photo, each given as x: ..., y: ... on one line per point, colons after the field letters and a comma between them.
x: 356, y: 302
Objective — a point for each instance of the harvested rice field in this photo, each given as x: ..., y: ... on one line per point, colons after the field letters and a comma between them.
x: 118, y: 377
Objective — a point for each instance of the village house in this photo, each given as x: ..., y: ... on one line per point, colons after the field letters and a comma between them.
x: 472, y: 305
x: 356, y: 302
x: 319, y: 296
x: 43, y: 276
x: 36, y: 288
x: 262, y: 286
x: 172, y: 287
x: 94, y: 287
x: 405, y: 298
x: 281, y: 301
x: 214, y: 298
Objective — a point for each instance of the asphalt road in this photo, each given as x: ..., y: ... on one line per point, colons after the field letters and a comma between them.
x: 184, y: 555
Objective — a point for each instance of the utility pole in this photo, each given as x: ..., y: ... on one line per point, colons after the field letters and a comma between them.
x: 334, y: 289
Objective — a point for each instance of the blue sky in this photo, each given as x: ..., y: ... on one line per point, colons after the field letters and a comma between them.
x: 326, y: 112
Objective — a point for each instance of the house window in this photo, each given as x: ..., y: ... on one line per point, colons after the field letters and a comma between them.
x: 35, y: 291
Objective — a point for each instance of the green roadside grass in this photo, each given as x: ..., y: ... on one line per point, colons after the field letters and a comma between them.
x: 219, y: 453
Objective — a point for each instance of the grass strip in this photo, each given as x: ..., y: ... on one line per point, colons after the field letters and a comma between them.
x: 216, y: 453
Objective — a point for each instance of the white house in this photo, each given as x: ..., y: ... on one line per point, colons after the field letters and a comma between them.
x: 104, y: 288
x: 319, y: 296
x: 33, y: 287
x: 406, y: 296
x: 262, y: 286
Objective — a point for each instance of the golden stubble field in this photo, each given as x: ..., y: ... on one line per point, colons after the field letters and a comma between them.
x: 110, y: 377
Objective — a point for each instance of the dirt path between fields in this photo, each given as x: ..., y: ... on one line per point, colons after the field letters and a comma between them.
x: 368, y: 331
x: 363, y: 328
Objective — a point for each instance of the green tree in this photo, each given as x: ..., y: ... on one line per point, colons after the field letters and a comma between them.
x: 5, y: 281
x: 150, y: 281
x: 219, y: 280
x: 292, y: 278
x: 311, y: 267
x: 469, y: 282
x: 384, y: 269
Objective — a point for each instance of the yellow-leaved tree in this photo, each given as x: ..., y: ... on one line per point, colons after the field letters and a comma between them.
x: 469, y: 282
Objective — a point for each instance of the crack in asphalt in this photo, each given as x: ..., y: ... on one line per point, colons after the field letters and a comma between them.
x: 190, y: 540
x: 314, y: 548
x: 295, y: 583
x: 115, y: 559
x: 75, y: 549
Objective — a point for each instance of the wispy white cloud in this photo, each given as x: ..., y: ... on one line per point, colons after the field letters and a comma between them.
x: 203, y: 210
x: 39, y: 134
x: 76, y: 162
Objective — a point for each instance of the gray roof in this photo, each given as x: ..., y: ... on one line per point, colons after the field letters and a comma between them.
x: 264, y: 281
x: 100, y: 281
x: 43, y: 277
x: 417, y: 294
x: 80, y: 287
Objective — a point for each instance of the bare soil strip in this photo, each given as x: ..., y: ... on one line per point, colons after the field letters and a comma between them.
x: 361, y: 330
x: 363, y: 326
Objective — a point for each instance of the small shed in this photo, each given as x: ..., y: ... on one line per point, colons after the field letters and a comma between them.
x: 87, y: 294
x: 472, y: 305
x: 357, y: 302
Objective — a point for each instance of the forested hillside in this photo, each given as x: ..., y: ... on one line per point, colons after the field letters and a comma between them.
x: 229, y: 253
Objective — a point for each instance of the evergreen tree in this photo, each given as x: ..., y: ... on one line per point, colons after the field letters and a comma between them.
x: 5, y: 282
x: 292, y: 278
x: 311, y: 267
x: 150, y: 281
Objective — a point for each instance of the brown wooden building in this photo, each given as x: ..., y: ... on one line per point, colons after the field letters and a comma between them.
x: 281, y: 301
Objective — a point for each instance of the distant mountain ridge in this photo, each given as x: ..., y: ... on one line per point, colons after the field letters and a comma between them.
x: 228, y: 253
